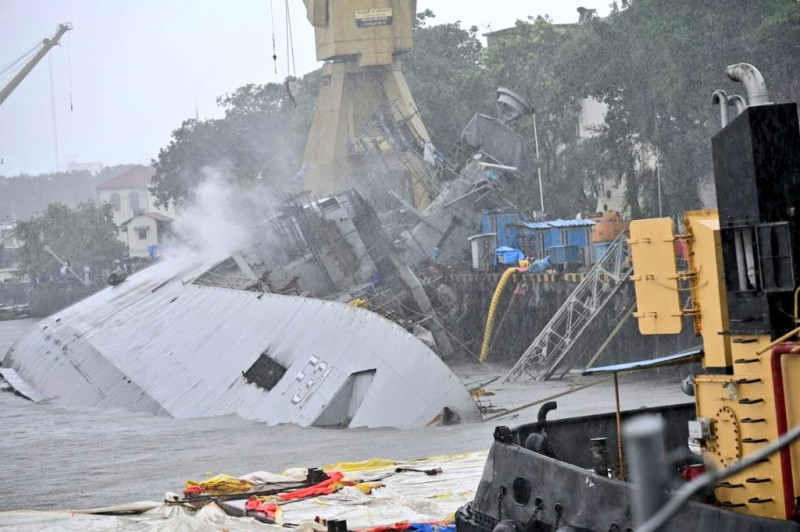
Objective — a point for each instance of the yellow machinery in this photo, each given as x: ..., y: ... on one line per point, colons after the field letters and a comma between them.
x: 361, y: 41
x: 742, y: 279
x: 737, y: 412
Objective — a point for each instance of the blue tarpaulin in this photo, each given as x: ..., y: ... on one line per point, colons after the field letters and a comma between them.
x: 156, y: 251
x: 507, y: 255
x: 692, y: 355
x: 539, y: 266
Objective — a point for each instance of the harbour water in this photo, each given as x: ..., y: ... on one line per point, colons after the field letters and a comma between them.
x: 54, y: 457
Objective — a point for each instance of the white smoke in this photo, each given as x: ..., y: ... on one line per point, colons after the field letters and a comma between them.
x: 212, y: 224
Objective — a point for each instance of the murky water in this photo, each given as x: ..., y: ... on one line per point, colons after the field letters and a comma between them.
x: 52, y: 456
x: 69, y: 457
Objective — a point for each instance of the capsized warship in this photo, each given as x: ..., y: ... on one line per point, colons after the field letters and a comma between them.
x: 319, y: 320
x: 244, y: 335
x: 744, y: 266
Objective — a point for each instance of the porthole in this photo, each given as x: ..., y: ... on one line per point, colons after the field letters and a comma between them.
x: 521, y: 491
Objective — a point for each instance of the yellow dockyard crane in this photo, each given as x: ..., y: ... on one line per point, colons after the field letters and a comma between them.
x: 361, y: 42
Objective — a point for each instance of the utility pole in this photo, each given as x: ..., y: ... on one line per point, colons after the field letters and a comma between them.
x: 538, y: 163
x: 658, y: 180
x: 65, y: 264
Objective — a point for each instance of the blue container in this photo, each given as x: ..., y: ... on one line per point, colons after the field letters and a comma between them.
x: 600, y: 249
x: 577, y: 236
x: 552, y: 238
x: 564, y: 254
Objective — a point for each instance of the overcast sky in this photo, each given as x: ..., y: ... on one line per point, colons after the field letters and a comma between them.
x: 140, y: 67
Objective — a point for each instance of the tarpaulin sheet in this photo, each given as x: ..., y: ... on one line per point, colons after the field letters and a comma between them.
x: 507, y: 255
x: 162, y: 518
x: 410, y: 496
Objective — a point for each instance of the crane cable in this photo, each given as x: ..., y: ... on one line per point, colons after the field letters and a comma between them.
x: 289, y: 44
x: 53, y: 110
x: 8, y: 70
x: 69, y: 69
x: 274, y: 52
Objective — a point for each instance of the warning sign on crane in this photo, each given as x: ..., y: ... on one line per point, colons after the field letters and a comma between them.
x: 368, y: 18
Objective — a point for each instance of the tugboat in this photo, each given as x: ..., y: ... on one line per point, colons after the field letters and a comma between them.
x: 743, y: 279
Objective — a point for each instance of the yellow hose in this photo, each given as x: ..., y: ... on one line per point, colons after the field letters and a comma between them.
x: 487, y: 333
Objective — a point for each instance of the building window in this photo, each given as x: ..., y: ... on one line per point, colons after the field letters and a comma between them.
x: 115, y: 201
x: 133, y: 201
x: 141, y: 232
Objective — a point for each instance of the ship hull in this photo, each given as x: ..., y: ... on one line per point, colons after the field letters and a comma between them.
x: 160, y: 343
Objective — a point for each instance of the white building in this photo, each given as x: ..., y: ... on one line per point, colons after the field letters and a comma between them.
x: 144, y: 230
x: 141, y: 222
x: 9, y: 248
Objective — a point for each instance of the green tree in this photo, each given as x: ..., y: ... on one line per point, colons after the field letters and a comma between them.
x: 23, y: 196
x: 776, y: 41
x: 656, y: 63
x: 445, y: 75
x: 83, y: 235
x: 532, y: 62
x: 262, y: 136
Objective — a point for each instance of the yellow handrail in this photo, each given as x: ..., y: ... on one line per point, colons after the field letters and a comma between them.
x: 778, y: 341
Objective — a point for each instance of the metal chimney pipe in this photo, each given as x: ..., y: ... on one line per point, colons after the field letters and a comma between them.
x: 752, y: 80
x: 738, y: 102
x: 720, y: 97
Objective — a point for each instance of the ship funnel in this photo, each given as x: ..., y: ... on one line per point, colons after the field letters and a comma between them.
x: 752, y: 80
x: 720, y: 97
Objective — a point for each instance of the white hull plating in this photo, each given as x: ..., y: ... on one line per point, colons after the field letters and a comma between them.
x: 158, y: 343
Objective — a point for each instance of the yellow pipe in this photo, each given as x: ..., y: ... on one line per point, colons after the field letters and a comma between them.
x: 796, y: 317
x: 498, y: 291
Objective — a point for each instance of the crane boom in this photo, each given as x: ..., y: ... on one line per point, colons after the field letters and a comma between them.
x: 47, y: 44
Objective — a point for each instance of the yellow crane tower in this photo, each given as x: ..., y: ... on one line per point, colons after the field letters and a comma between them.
x: 360, y: 42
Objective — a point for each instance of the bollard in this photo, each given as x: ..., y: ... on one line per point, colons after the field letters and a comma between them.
x: 644, y: 446
x: 599, y: 456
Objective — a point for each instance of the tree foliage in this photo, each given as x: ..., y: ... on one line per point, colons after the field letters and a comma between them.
x: 262, y: 136
x: 655, y: 65
x: 530, y: 61
x: 264, y: 130
x: 445, y: 74
x: 23, y: 196
x: 82, y: 236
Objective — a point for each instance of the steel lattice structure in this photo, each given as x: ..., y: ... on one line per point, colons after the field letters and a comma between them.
x: 553, y: 343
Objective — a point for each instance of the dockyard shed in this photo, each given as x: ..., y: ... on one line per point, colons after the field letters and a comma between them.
x: 574, y: 237
x: 574, y: 232
x: 533, y: 238
x: 506, y: 225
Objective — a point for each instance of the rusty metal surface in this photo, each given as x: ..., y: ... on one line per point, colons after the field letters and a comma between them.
x: 158, y: 343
